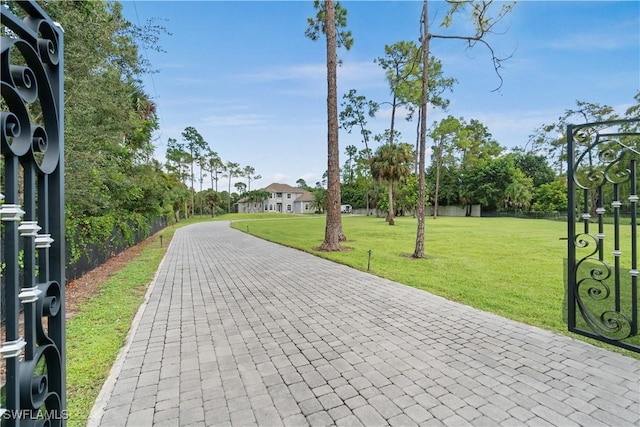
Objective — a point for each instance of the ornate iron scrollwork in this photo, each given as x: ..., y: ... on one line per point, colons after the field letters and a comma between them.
x: 602, y: 285
x: 32, y: 145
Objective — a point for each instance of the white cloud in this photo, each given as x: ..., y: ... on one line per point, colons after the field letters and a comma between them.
x: 310, y: 178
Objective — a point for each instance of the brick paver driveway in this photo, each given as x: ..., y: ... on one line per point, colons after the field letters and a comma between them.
x: 238, y: 331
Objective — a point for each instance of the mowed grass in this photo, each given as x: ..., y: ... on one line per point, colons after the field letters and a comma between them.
x: 508, y: 266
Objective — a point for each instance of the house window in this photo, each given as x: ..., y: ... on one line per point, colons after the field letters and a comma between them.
x: 306, y: 206
x: 288, y: 208
x: 288, y: 195
x: 265, y: 207
x: 270, y: 207
x: 278, y: 194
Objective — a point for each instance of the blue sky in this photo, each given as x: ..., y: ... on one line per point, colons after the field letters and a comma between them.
x: 245, y: 76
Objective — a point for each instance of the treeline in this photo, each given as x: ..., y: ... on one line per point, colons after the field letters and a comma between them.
x: 113, y: 185
x: 468, y: 166
x: 192, y: 161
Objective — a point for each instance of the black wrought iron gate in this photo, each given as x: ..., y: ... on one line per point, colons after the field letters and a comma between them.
x: 602, y: 269
x: 32, y: 218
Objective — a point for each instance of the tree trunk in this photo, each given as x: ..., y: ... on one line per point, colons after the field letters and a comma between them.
x: 390, y: 201
x: 201, y: 201
x: 393, y: 120
x: 419, y: 249
x: 193, y: 189
x: 438, y: 162
x: 367, y: 202
x: 418, y: 127
x: 333, y: 230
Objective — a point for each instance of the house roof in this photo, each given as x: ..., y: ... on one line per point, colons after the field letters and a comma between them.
x: 282, y: 188
x: 275, y: 187
x: 306, y: 197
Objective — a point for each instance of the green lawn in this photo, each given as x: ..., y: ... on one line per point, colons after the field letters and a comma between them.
x: 508, y: 266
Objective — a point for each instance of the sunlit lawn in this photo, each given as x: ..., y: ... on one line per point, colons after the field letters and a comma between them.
x: 508, y: 266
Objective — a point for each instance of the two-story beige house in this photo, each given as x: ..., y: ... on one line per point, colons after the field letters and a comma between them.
x: 282, y: 198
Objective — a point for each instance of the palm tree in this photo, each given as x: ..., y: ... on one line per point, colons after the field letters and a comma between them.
x: 390, y: 163
x: 319, y: 202
x: 519, y: 192
x: 257, y: 196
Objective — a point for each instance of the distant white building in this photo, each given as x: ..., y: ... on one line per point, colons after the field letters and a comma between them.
x: 282, y: 198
